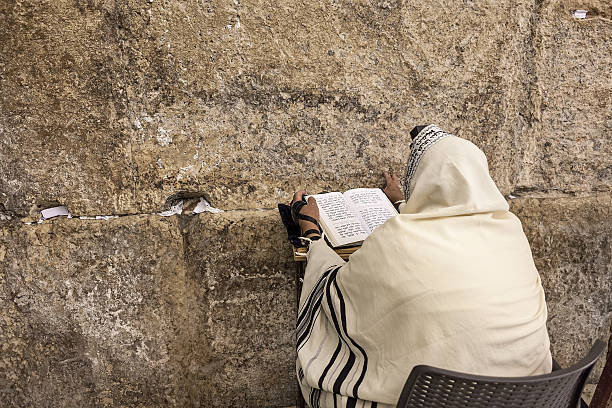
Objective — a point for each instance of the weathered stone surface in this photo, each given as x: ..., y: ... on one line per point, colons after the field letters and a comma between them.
x: 92, y: 313
x: 111, y: 107
x: 242, y: 280
x: 61, y: 109
x: 566, y: 147
x: 261, y: 96
x: 134, y: 312
x: 127, y: 103
x: 570, y: 241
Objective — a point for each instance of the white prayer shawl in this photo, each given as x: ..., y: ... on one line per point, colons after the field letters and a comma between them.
x: 450, y: 282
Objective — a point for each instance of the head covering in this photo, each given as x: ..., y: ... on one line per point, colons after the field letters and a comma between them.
x: 447, y: 176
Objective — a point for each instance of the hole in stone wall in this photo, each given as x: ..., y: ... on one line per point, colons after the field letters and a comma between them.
x: 188, y: 203
x: 42, y: 205
x: 592, y: 8
x: 184, y: 196
x: 5, y: 214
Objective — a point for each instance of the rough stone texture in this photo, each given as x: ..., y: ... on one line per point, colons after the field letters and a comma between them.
x: 243, y: 311
x: 566, y: 148
x: 570, y: 241
x: 323, y: 92
x: 122, y: 105
x: 239, y: 100
x: 61, y: 134
x: 92, y: 313
x: 116, y: 107
x: 199, y: 311
x: 118, y: 313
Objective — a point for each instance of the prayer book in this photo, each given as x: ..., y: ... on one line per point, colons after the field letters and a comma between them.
x: 348, y: 218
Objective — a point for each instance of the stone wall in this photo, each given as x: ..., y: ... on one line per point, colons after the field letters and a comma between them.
x: 120, y: 107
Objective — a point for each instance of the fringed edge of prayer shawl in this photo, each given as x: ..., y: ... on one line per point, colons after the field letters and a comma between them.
x: 424, y: 140
x: 355, y: 365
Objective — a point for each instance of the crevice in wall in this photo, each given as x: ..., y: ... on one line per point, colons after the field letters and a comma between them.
x: 188, y: 204
x: 181, y: 203
x: 5, y: 215
x: 44, y: 204
x: 178, y: 207
x: 529, y: 101
x: 535, y: 192
x: 122, y: 39
x: 237, y: 10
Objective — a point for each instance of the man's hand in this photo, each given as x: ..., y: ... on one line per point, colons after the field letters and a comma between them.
x: 392, y: 188
x: 311, y: 209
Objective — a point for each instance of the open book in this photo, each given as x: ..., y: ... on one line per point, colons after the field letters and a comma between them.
x: 349, y: 218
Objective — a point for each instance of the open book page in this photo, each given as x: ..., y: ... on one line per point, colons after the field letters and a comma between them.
x: 338, y: 220
x: 371, y: 205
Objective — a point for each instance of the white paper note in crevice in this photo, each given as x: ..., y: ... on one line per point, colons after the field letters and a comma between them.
x: 204, y: 206
x: 55, y: 212
x: 580, y: 13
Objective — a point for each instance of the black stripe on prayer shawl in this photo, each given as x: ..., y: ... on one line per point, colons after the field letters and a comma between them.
x: 339, y: 347
x: 308, y: 302
x: 331, y: 363
x: 348, y: 366
x: 365, y: 357
x: 304, y: 331
x: 311, y: 303
x: 315, y: 396
x: 311, y: 310
x: 351, y: 359
x: 303, y: 339
x: 345, y: 371
x: 374, y: 404
x: 351, y: 402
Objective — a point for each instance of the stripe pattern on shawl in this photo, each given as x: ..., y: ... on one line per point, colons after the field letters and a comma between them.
x: 339, y: 372
x: 318, y: 399
x: 424, y: 140
x: 310, y: 311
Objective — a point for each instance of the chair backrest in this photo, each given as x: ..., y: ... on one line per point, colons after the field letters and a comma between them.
x: 431, y: 387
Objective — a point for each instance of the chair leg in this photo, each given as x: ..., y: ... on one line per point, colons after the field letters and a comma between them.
x: 601, y: 397
x: 555, y: 365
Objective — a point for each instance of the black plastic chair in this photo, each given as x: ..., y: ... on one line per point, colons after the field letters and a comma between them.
x: 431, y: 387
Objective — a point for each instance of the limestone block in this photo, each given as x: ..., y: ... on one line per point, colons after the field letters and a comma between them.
x: 92, y: 313
x: 254, y: 99
x: 62, y: 107
x: 567, y: 147
x: 242, y: 279
x: 570, y: 241
x: 148, y: 311
x: 123, y: 104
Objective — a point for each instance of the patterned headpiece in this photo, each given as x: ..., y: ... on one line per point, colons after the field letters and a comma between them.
x: 424, y: 140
